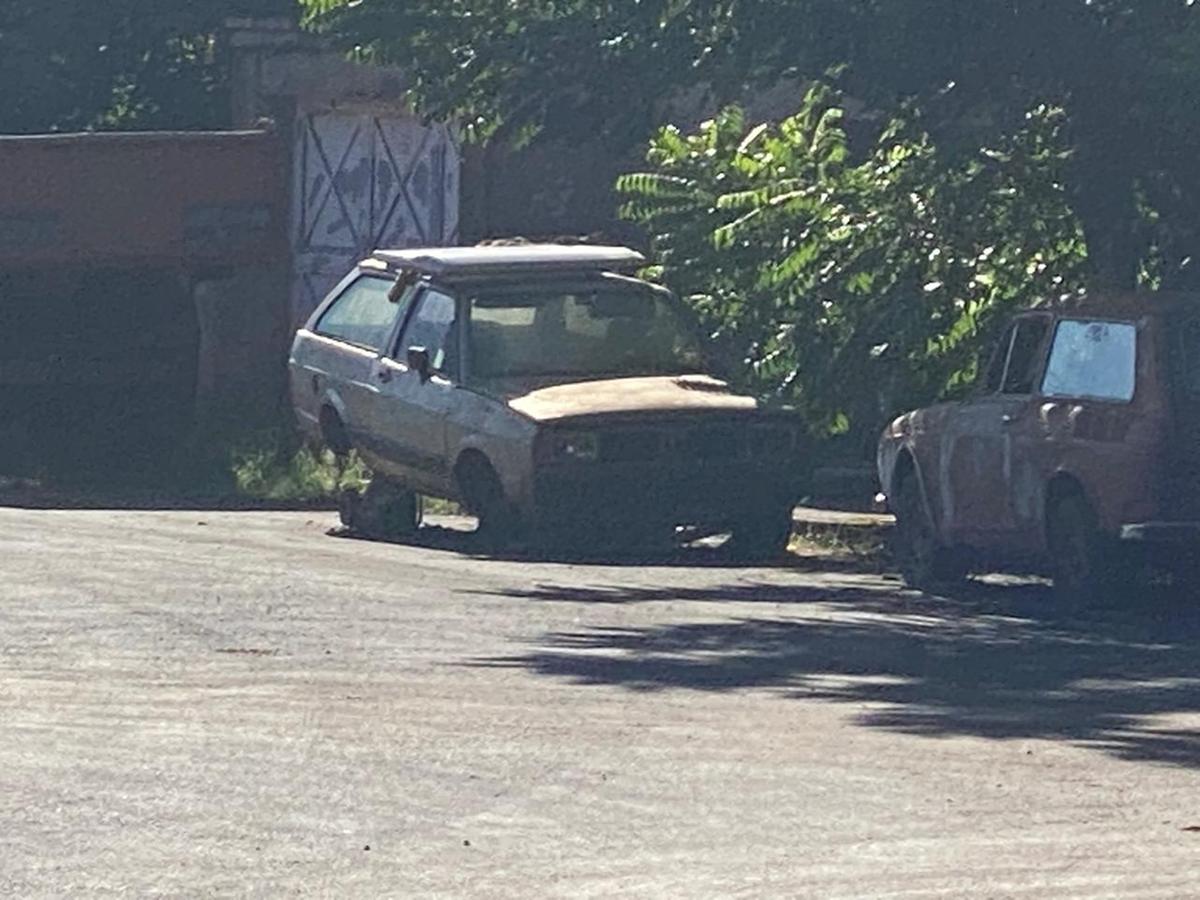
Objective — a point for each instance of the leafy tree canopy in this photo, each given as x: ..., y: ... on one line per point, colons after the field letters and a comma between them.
x: 856, y: 285
x: 77, y: 64
x: 1126, y: 73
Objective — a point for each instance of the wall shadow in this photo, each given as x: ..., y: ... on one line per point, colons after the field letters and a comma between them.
x: 995, y: 662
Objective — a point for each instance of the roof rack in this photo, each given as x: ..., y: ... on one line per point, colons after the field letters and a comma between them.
x: 466, y: 262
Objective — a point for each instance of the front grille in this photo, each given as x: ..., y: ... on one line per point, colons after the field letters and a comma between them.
x: 631, y: 445
x: 721, y: 442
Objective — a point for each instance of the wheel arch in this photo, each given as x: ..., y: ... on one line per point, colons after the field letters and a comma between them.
x: 331, y: 425
x: 907, y: 465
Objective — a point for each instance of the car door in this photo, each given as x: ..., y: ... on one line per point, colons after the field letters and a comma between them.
x: 979, y: 440
x: 409, y: 409
x: 333, y: 359
x: 1094, y: 415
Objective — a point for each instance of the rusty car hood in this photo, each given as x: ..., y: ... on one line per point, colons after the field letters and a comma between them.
x: 678, y: 393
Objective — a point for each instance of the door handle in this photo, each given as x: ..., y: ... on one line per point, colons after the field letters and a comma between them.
x: 1008, y: 419
x: 383, y: 374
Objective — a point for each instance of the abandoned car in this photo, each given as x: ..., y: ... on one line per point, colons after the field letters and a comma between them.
x: 548, y: 391
x: 1078, y: 453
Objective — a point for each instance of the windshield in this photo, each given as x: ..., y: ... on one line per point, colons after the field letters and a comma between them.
x: 612, y: 329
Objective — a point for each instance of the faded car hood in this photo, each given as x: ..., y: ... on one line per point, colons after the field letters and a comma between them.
x: 680, y: 393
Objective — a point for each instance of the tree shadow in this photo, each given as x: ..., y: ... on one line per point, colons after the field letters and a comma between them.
x: 996, y: 661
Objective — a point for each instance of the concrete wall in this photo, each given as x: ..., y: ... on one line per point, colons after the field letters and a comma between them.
x: 143, y: 283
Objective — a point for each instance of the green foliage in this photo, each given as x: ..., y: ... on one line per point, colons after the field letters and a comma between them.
x: 853, y: 286
x: 272, y: 468
x: 79, y: 64
x: 1125, y: 73
x: 579, y: 66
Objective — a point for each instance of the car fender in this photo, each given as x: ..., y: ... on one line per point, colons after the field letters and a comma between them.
x: 897, y: 441
x: 489, y: 426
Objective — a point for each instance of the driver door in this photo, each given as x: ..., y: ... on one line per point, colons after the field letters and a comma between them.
x: 411, y: 408
x: 982, y: 434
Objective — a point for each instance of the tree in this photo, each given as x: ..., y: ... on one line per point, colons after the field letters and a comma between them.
x: 79, y: 64
x: 854, y: 284
x: 1125, y: 72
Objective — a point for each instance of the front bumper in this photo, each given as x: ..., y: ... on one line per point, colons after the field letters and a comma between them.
x: 700, y: 494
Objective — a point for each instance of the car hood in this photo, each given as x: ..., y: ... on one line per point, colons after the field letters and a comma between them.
x: 625, y: 395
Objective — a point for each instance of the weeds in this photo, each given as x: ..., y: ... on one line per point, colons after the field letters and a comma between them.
x: 274, y: 469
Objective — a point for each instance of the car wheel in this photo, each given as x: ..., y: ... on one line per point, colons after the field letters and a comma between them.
x: 384, y: 510
x: 924, y: 563
x: 1085, y: 568
x: 485, y: 498
x: 763, y: 534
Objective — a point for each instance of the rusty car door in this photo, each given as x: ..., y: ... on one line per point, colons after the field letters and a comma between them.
x: 980, y: 462
x: 1088, y: 412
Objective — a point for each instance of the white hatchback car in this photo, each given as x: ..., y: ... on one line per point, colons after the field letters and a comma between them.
x: 545, y: 389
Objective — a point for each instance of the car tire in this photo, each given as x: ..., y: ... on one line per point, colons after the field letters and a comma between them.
x: 484, y: 496
x: 925, y: 564
x: 385, y: 510
x: 763, y: 534
x: 1086, y: 568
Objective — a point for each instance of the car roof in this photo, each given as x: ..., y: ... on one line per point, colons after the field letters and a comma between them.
x: 469, y: 262
x: 1123, y: 304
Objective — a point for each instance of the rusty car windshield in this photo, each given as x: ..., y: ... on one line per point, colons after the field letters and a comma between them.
x: 1092, y: 360
x: 616, y: 329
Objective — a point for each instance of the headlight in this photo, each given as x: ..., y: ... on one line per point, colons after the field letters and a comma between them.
x: 571, y: 446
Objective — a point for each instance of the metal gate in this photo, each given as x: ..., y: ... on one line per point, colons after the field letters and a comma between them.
x: 364, y: 182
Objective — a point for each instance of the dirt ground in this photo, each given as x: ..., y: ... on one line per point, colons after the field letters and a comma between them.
x: 238, y: 704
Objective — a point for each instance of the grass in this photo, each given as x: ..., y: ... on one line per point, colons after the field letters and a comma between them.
x: 294, y: 475
x: 269, y: 467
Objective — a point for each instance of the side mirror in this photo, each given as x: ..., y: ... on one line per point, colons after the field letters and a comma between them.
x: 418, y: 361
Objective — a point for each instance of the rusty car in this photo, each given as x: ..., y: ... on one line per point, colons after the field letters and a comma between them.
x: 1077, y: 454
x: 546, y: 389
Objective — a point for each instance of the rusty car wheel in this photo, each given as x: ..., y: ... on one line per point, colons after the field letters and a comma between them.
x: 1085, y: 568
x: 924, y: 563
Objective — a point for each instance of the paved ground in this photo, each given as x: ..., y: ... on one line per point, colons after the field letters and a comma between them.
x: 238, y: 704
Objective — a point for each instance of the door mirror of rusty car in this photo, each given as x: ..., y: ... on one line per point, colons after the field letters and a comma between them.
x: 418, y: 361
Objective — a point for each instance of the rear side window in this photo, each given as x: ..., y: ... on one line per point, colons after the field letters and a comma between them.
x: 363, y: 315
x: 1093, y: 360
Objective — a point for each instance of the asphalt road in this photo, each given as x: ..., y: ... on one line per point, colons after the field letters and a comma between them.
x: 237, y: 704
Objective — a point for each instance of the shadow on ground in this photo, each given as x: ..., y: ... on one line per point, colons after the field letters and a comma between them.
x: 455, y: 534
x: 19, y: 493
x: 996, y: 661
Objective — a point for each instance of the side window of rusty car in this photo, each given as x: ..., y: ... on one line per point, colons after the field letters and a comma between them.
x: 1026, y: 355
x: 994, y: 378
x: 1094, y: 360
x: 362, y: 315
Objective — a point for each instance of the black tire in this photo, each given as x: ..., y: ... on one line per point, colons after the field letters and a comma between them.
x: 384, y: 510
x: 763, y: 534
x: 924, y: 563
x: 484, y: 497
x: 1086, y: 567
